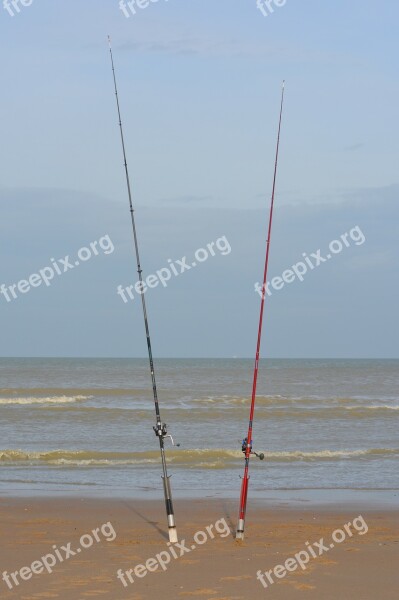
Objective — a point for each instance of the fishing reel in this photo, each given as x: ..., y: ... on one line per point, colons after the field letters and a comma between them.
x: 161, y: 432
x: 244, y: 447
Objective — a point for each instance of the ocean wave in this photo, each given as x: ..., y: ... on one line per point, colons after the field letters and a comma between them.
x: 73, y: 391
x: 198, y: 458
x: 240, y: 400
x: 279, y: 401
x: 380, y: 407
x: 49, y: 400
x: 85, y: 408
x: 142, y: 411
x: 278, y: 406
x: 331, y: 412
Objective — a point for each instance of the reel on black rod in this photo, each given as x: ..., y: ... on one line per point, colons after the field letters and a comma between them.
x: 161, y: 432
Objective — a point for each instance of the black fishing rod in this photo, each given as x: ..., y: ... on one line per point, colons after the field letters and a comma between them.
x: 160, y: 428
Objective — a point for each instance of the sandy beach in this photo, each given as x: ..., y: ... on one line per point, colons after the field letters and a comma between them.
x: 91, y: 540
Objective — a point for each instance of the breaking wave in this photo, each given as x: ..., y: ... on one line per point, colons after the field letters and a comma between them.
x: 206, y: 458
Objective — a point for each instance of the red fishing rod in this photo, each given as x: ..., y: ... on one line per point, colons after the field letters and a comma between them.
x: 247, y: 442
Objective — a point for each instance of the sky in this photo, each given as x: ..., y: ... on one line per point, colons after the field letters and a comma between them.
x: 199, y: 85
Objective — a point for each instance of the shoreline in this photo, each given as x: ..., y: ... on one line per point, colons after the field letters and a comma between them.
x: 295, y: 498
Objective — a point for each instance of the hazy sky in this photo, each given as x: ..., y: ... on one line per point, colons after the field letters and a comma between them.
x: 199, y: 87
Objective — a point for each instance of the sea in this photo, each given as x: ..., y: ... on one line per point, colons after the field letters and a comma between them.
x: 85, y: 427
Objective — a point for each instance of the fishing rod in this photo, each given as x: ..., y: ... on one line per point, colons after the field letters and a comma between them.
x: 248, y: 441
x: 160, y: 428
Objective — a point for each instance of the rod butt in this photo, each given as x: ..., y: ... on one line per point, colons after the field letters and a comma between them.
x: 169, y: 511
x: 172, y: 529
x: 240, y: 530
x: 173, y: 535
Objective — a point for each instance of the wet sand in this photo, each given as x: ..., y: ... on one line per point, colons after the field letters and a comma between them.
x: 361, y: 567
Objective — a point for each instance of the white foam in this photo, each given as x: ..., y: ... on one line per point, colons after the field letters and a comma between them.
x: 52, y: 400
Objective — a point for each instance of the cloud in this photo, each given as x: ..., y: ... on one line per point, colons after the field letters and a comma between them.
x: 354, y: 147
x: 211, y: 310
x: 187, y: 199
x: 228, y: 48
